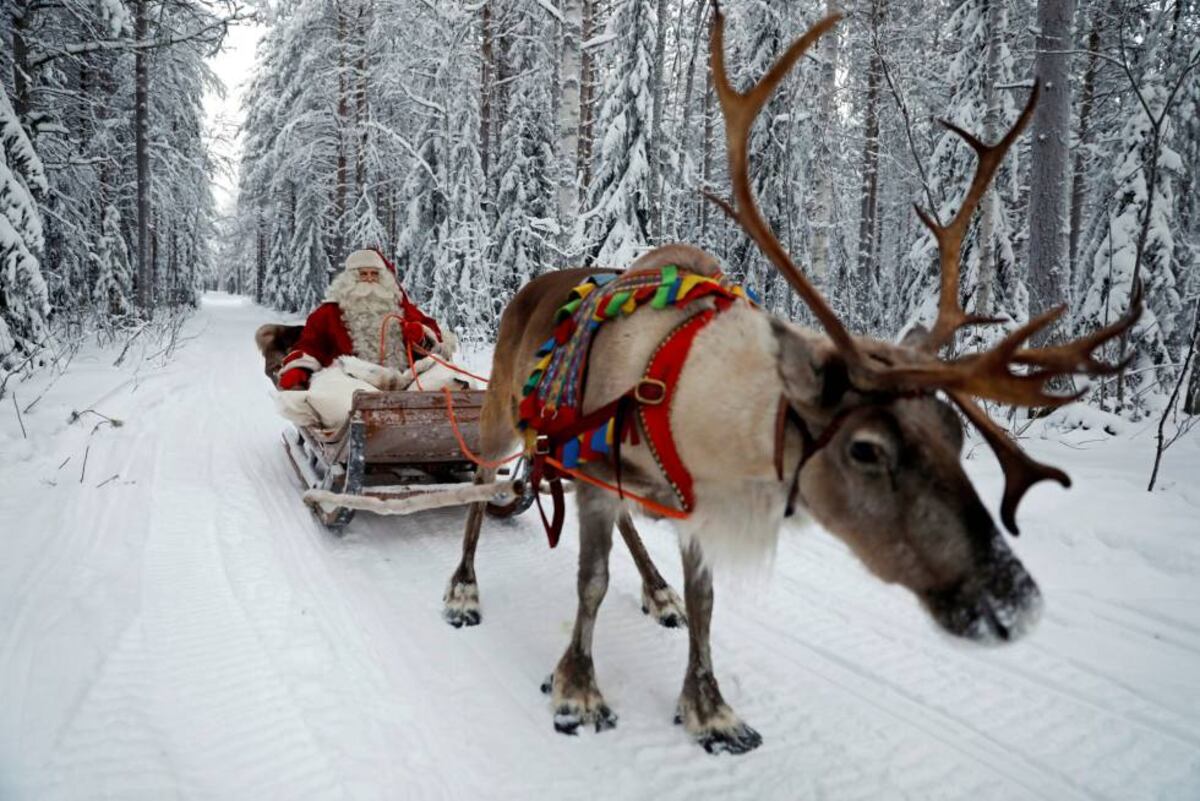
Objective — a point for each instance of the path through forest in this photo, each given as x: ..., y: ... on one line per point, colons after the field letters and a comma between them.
x: 174, y: 623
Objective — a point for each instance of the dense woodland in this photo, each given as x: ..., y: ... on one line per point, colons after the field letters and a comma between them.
x: 482, y: 143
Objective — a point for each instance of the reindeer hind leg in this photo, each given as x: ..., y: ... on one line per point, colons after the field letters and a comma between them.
x: 460, y: 603
x: 659, y: 601
x: 461, y: 600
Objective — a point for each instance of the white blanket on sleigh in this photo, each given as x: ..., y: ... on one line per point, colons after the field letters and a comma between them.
x: 330, y: 394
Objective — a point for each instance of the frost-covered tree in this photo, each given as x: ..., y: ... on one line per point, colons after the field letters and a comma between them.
x: 310, y: 268
x: 24, y: 303
x: 980, y: 65
x: 526, y: 226
x: 1106, y: 289
x: 113, y: 290
x: 617, y: 208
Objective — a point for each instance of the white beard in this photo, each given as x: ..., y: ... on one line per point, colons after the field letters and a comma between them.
x: 363, y: 306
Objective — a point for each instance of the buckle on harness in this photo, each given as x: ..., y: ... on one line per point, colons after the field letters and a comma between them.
x: 650, y: 391
x: 541, y: 445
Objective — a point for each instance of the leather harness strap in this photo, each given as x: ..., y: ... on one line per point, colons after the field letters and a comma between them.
x: 810, y: 445
x: 651, y: 396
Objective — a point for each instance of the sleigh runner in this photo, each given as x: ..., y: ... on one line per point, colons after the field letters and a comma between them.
x: 400, y: 453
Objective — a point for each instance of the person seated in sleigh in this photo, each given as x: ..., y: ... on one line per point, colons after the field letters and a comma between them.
x: 361, y: 337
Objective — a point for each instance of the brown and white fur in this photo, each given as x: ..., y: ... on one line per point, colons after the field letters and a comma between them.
x: 889, y: 483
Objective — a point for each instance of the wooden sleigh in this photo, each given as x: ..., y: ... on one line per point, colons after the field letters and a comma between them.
x: 399, y: 453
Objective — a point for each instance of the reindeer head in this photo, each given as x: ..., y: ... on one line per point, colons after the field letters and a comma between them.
x: 882, y: 464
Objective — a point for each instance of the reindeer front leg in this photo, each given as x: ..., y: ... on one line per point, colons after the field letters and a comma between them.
x: 702, y: 710
x: 577, y: 699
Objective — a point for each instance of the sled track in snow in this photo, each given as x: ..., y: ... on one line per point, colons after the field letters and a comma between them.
x: 197, y: 634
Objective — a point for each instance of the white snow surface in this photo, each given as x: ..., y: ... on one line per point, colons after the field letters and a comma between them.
x: 175, y: 624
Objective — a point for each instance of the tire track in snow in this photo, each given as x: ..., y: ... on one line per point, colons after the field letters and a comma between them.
x: 1034, y: 662
x: 226, y: 725
x: 268, y: 658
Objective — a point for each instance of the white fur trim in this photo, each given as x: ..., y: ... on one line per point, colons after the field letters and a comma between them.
x: 365, y: 258
x: 306, y: 361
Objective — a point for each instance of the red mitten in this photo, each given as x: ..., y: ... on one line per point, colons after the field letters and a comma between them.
x: 295, y: 378
x: 414, y: 333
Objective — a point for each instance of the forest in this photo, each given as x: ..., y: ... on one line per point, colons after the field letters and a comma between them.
x: 482, y: 143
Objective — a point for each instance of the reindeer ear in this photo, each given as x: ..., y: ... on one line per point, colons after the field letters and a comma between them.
x: 814, y: 374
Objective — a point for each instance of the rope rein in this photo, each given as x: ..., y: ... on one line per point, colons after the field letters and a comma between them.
x: 479, y: 461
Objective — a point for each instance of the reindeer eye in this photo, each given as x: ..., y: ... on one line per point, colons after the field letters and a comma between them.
x: 865, y: 452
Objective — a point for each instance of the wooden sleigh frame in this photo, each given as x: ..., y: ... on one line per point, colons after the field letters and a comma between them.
x: 398, y: 453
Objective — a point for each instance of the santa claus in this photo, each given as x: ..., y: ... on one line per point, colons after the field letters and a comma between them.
x: 351, y: 322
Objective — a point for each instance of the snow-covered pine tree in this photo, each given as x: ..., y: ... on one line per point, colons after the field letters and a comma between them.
x: 526, y: 227
x: 1106, y: 289
x: 24, y: 302
x: 310, y: 268
x: 617, y: 208
x: 462, y: 288
x: 991, y: 281
x: 113, y: 290
x: 366, y: 230
x: 424, y: 210
x: 780, y: 157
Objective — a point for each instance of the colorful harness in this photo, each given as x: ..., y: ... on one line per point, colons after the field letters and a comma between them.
x: 551, y: 413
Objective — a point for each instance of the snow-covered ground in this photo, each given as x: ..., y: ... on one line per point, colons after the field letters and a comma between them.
x: 175, y: 624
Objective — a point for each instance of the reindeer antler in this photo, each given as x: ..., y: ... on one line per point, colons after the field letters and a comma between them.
x: 986, y: 375
x: 740, y: 110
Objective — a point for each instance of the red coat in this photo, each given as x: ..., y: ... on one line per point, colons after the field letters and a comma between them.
x: 324, y: 339
x: 325, y: 336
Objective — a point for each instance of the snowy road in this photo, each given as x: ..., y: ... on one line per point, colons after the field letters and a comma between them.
x: 174, y: 624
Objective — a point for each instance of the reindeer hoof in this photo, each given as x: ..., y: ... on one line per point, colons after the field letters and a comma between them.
x: 460, y: 619
x: 583, y: 707
x: 664, y: 606
x: 570, y: 716
x: 719, y: 730
x: 462, y: 604
x: 740, y: 739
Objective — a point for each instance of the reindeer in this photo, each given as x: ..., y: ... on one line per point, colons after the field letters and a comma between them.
x: 860, y: 433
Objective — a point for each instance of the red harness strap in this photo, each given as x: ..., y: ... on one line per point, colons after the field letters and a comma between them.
x: 662, y: 374
x: 652, y: 397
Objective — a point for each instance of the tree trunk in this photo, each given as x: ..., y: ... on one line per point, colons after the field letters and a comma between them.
x: 686, y: 136
x: 1191, y: 402
x: 141, y: 124
x: 656, y: 125
x: 362, y: 111
x: 868, y: 225
x: 1049, y: 215
x: 260, y: 255
x: 486, y: 67
x: 1086, y: 105
x: 587, y: 89
x: 823, y: 169
x: 343, y: 106
x: 987, y: 220
x: 568, y: 118
x: 706, y: 148
x: 20, y: 15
